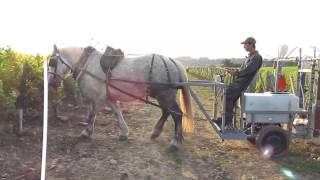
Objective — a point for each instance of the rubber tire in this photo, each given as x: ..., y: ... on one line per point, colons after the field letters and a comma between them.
x: 269, y: 133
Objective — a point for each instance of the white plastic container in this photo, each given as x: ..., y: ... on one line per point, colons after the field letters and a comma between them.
x: 271, y: 102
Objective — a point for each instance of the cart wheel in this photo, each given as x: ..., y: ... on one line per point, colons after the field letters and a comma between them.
x: 272, y: 141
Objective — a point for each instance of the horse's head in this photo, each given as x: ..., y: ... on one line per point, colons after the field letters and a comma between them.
x: 59, y: 66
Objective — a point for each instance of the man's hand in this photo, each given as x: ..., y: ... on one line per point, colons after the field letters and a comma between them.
x: 236, y: 73
x: 233, y: 71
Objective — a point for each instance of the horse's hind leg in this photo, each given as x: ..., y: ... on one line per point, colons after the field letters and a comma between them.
x: 123, y: 133
x: 159, y: 126
x: 87, y: 132
x: 176, y: 114
x: 167, y: 100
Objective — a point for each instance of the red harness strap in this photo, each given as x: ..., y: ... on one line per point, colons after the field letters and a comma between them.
x: 112, y: 99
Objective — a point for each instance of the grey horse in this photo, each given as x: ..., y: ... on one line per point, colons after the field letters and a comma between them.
x: 155, y: 73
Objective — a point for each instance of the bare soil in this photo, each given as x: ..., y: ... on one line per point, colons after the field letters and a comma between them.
x: 202, y: 156
x: 20, y: 154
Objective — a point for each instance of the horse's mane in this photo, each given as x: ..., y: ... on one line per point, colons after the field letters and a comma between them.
x: 71, y: 52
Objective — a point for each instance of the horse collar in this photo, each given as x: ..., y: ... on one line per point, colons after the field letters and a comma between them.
x: 82, y: 61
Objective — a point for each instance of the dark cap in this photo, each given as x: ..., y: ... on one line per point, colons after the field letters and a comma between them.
x: 249, y: 40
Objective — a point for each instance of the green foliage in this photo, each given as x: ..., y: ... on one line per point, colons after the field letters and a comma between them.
x: 267, y: 74
x: 70, y: 88
x: 228, y: 63
x: 6, y: 100
x: 210, y: 73
x: 265, y: 81
x: 12, y: 80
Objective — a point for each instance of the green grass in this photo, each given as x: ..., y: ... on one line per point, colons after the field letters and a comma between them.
x: 299, y: 162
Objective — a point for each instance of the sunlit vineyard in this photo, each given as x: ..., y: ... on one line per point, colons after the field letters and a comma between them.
x: 263, y: 82
x: 210, y: 73
x: 20, y: 73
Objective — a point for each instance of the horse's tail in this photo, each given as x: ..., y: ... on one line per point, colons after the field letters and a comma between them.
x: 185, y: 105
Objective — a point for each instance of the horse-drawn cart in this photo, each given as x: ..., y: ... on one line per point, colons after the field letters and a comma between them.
x: 262, y: 117
x: 265, y: 119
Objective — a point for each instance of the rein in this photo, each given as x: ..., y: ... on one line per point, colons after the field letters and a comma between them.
x: 80, y: 70
x: 141, y: 99
x: 77, y: 71
x: 53, y: 62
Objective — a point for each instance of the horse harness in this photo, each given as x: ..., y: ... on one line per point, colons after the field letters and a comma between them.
x: 169, y: 84
x: 53, y: 62
x: 81, y: 68
x: 166, y: 66
x: 77, y: 72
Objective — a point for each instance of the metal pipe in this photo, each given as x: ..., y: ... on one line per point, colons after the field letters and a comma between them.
x: 197, y: 100
x: 224, y: 109
x: 241, y: 110
x: 253, y: 125
x: 311, y: 115
x: 318, y: 103
x: 311, y: 91
x: 215, y: 102
x: 234, y: 119
x: 298, y: 92
x: 291, y: 51
x: 287, y: 59
x: 20, y: 120
x: 277, y: 75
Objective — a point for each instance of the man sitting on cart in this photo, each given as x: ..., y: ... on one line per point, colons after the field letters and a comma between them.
x: 243, y: 78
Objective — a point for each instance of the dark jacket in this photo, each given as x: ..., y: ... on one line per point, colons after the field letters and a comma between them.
x: 247, y: 71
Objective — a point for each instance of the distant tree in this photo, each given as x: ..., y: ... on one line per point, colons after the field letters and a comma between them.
x: 229, y: 63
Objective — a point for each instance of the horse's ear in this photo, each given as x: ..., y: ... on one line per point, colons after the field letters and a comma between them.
x: 109, y: 50
x: 55, y: 48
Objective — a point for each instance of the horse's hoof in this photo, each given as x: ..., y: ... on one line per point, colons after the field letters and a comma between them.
x: 172, y: 148
x: 154, y: 136
x: 155, y: 133
x: 85, y: 134
x: 174, y: 145
x: 123, y: 138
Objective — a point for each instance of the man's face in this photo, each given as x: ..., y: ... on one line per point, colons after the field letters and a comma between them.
x: 248, y: 47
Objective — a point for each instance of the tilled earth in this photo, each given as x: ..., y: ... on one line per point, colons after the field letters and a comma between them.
x: 202, y: 156
x: 20, y: 155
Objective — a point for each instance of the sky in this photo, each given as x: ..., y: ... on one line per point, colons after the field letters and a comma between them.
x: 196, y: 28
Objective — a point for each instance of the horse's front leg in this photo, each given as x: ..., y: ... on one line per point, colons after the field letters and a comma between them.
x: 123, y: 128
x: 87, y: 132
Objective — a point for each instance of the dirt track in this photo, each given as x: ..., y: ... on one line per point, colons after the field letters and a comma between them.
x: 20, y: 156
x: 202, y: 156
